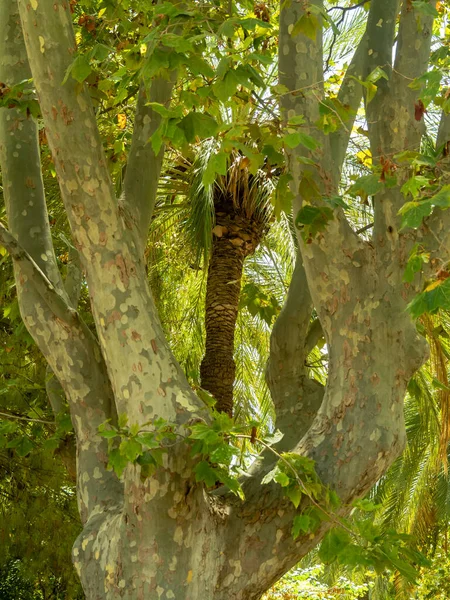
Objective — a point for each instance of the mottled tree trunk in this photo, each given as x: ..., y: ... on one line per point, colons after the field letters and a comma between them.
x: 235, y: 238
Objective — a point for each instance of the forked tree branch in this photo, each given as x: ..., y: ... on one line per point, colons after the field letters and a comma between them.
x: 46, y: 308
x: 51, y: 296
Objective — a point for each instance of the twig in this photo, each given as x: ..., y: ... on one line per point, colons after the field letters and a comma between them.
x: 365, y: 228
x: 19, y: 418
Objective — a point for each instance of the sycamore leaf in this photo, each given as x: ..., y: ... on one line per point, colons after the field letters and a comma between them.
x: 413, y: 213
x: 282, y: 478
x: 117, y: 461
x: 332, y: 545
x: 308, y: 25
x: 294, y: 494
x: 80, y: 68
x: 130, y: 449
x: 442, y: 198
x: 313, y: 219
x: 301, y: 524
x: 198, y: 66
x: 425, y: 8
x: 368, y: 185
x: 197, y: 124
x: 435, y: 296
x: 282, y: 199
x: 204, y: 472
x: 298, y: 138
x: 414, y: 185
x: 217, y: 165
x: 22, y: 445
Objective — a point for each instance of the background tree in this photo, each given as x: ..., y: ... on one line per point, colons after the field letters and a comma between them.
x: 144, y: 529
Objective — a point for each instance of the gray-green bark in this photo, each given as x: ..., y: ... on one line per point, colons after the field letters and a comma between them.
x: 166, y: 537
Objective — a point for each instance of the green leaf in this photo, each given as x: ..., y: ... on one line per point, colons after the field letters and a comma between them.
x: 23, y: 446
x: 269, y: 476
x: 425, y: 8
x: 294, y: 494
x: 217, y: 164
x: 204, y: 472
x: 117, y: 462
x: 334, y: 542
x: 301, y: 524
x: 366, y: 505
x: 100, y: 52
x: 123, y: 420
x: 282, y: 478
x: 223, y: 454
x: 442, y: 198
x: 415, y: 263
x: 108, y: 433
x: 7, y: 426
x: 414, y: 185
x: 365, y: 186
x: 313, y: 219
x: 436, y: 296
x: 282, y: 199
x: 80, y: 68
x: 292, y: 140
x: 198, y: 66
x: 201, y: 431
x: 336, y: 202
x: 130, y: 449
x: 197, y: 124
x: 308, y: 25
x: 148, y: 439
x: 414, y: 212
x: 146, y: 458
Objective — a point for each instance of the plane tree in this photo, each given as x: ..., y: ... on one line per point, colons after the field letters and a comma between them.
x: 156, y: 521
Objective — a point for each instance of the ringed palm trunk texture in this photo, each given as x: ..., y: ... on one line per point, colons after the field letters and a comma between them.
x: 235, y: 237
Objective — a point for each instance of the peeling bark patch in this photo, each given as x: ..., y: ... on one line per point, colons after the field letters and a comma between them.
x: 154, y: 346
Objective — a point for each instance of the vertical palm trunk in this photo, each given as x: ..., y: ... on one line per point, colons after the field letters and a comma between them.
x: 235, y: 238
x: 223, y: 288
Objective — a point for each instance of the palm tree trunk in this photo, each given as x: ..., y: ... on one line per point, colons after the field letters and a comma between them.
x: 223, y: 287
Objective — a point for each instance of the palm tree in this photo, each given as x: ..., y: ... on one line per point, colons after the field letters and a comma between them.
x: 224, y: 222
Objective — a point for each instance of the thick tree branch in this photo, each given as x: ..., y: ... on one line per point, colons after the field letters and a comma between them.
x: 144, y: 166
x: 392, y: 115
x: 296, y: 398
x: 301, y: 71
x: 350, y: 95
x: 56, y: 327
x: 146, y: 379
x: 54, y: 300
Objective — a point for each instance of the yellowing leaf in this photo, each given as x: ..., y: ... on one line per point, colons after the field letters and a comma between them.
x: 433, y: 285
x: 122, y: 120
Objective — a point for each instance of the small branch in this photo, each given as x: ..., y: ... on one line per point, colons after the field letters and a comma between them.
x: 52, y: 297
x: 28, y: 419
x: 265, y: 106
x: 365, y: 228
x: 345, y: 9
x: 332, y: 517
